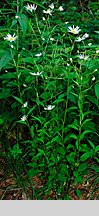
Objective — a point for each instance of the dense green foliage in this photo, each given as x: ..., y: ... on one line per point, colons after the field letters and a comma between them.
x: 49, y: 113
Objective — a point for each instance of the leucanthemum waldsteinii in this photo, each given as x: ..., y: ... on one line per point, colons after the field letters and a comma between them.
x: 10, y: 38
x: 23, y: 118
x: 83, y: 57
x: 51, y: 6
x: 82, y: 38
x: 74, y: 30
x: 49, y: 107
x: 47, y: 12
x: 31, y: 7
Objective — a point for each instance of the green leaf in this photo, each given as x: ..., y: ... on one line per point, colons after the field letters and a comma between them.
x: 41, y: 152
x: 6, y: 57
x: 82, y: 167
x: 23, y: 21
x: 70, y: 159
x: 97, y: 148
x: 85, y: 156
x: 73, y: 126
x: 16, y: 151
x: 28, y: 60
x: 91, y: 144
x: 84, y: 122
x: 85, y: 132
x: 73, y: 136
x: 22, y: 122
x: 18, y: 99
x: 78, y: 193
x: 1, y: 121
x: 97, y: 90
x: 97, y: 32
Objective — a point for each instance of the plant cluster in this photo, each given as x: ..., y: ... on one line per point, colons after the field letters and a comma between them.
x: 49, y: 113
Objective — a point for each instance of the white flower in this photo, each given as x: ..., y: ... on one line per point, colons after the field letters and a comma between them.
x: 89, y: 44
x: 82, y: 38
x: 81, y: 56
x: 66, y: 22
x: 51, y: 6
x: 36, y: 74
x: 85, y: 36
x: 60, y: 8
x: 78, y: 39
x: 25, y: 104
x: 23, y: 118
x: 47, y: 11
x: 43, y: 19
x: 16, y: 17
x: 52, y: 39
x: 10, y: 38
x: 74, y: 30
x: 24, y: 85
x: 71, y: 59
x: 97, y: 51
x: 49, y: 107
x: 68, y: 64
x: 31, y: 7
x: 12, y: 46
x: 93, y: 78
x: 38, y: 55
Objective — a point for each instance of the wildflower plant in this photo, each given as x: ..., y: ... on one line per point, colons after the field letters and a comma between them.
x: 49, y: 96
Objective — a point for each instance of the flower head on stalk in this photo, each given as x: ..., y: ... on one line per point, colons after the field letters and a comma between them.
x: 47, y: 12
x: 10, y: 38
x: 31, y: 7
x: 49, y: 107
x: 74, y: 30
x: 51, y: 6
x: 23, y: 118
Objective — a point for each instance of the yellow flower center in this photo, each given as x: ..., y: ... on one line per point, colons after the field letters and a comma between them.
x: 11, y: 38
x: 28, y: 7
x: 73, y: 31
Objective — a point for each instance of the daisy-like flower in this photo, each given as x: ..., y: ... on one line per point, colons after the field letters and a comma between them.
x: 12, y: 46
x: 51, y: 6
x: 85, y: 36
x: 10, y: 38
x: 31, y: 7
x: 66, y: 23
x: 16, y: 17
x: 60, y: 8
x: 74, y: 30
x: 89, y: 44
x: 23, y: 118
x: 82, y: 38
x: 43, y: 39
x: 49, y: 107
x: 36, y: 74
x: 93, y: 78
x: 83, y: 57
x: 24, y: 85
x: 25, y: 104
x: 38, y: 55
x: 47, y: 11
x: 43, y: 19
x: 52, y: 39
x: 97, y: 51
x: 79, y: 39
